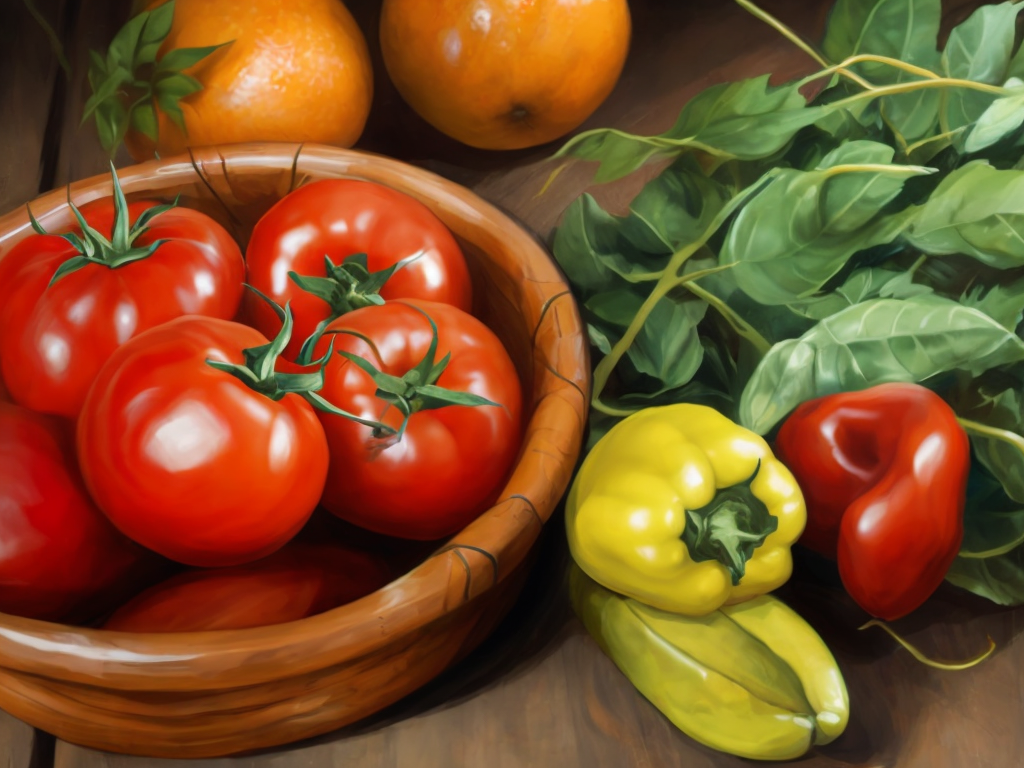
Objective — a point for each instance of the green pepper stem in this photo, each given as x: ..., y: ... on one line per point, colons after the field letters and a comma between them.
x: 729, y: 528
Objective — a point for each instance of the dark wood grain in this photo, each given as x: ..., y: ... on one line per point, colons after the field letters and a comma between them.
x: 539, y: 692
x: 77, y: 153
x: 31, y: 88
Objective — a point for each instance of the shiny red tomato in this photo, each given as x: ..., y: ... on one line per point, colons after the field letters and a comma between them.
x: 339, y: 218
x: 300, y: 580
x: 449, y: 463
x: 54, y: 338
x: 189, y: 460
x: 60, y: 558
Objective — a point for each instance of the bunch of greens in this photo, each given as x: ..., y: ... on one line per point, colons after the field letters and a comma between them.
x: 862, y: 225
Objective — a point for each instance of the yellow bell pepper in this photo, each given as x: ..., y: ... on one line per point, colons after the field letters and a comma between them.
x: 681, y: 509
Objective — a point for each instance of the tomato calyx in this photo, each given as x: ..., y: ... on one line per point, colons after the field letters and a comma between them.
x: 347, y: 286
x: 94, y: 248
x: 259, y: 373
x: 414, y: 391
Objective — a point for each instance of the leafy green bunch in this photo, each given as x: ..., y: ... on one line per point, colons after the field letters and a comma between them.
x: 864, y: 224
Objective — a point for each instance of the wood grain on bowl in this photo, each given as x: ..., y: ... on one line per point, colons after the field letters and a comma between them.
x: 217, y: 693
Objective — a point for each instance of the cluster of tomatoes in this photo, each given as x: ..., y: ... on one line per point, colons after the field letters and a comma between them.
x: 177, y: 404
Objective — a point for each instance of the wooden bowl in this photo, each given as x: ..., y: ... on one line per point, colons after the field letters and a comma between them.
x: 217, y: 693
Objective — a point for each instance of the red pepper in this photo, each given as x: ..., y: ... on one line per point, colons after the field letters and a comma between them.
x: 884, y: 474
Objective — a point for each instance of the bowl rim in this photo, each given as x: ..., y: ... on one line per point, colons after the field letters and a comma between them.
x: 214, y: 659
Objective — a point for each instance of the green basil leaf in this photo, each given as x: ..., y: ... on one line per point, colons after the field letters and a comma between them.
x: 979, y: 50
x: 157, y: 27
x: 976, y: 210
x: 996, y: 401
x: 107, y: 91
x: 170, y: 90
x: 899, y: 29
x: 111, y: 123
x: 1002, y: 117
x: 182, y: 58
x: 673, y: 208
x: 871, y: 343
x: 122, y: 48
x: 153, y: 34
x: 748, y: 120
x: 589, y: 248
x: 861, y: 285
x: 1003, y: 302
x: 144, y: 120
x: 999, y: 579
x: 799, y: 232
x: 668, y: 348
x: 993, y: 523
x: 619, y: 153
x: 97, y: 70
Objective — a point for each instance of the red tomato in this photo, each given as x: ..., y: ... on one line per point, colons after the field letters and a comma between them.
x: 54, y: 339
x: 60, y: 558
x: 450, y: 462
x: 339, y: 218
x: 189, y: 460
x: 300, y: 580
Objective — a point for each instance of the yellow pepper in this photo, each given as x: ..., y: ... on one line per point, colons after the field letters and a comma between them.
x: 681, y: 509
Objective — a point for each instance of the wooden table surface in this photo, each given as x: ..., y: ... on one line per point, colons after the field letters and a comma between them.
x: 539, y: 692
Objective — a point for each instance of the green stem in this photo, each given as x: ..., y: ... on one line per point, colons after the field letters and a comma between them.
x: 782, y: 29
x: 931, y: 139
x: 738, y: 324
x: 609, y: 410
x: 948, y: 666
x: 995, y: 433
x: 868, y: 58
x: 917, y: 264
x: 51, y: 36
x: 893, y: 170
x: 898, y: 88
x: 669, y: 279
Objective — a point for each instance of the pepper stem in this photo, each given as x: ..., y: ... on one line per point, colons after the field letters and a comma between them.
x: 729, y: 528
x: 94, y: 248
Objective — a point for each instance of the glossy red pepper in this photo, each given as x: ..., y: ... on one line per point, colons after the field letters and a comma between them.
x: 884, y: 473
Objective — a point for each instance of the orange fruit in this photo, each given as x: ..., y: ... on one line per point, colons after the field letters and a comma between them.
x: 504, y: 74
x: 298, y: 70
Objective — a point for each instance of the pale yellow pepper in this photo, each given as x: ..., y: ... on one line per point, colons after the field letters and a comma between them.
x: 682, y: 509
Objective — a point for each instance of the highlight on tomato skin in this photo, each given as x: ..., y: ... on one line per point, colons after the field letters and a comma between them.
x: 342, y: 218
x: 71, y: 298
x: 61, y: 559
x: 189, y: 460
x: 429, y: 475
